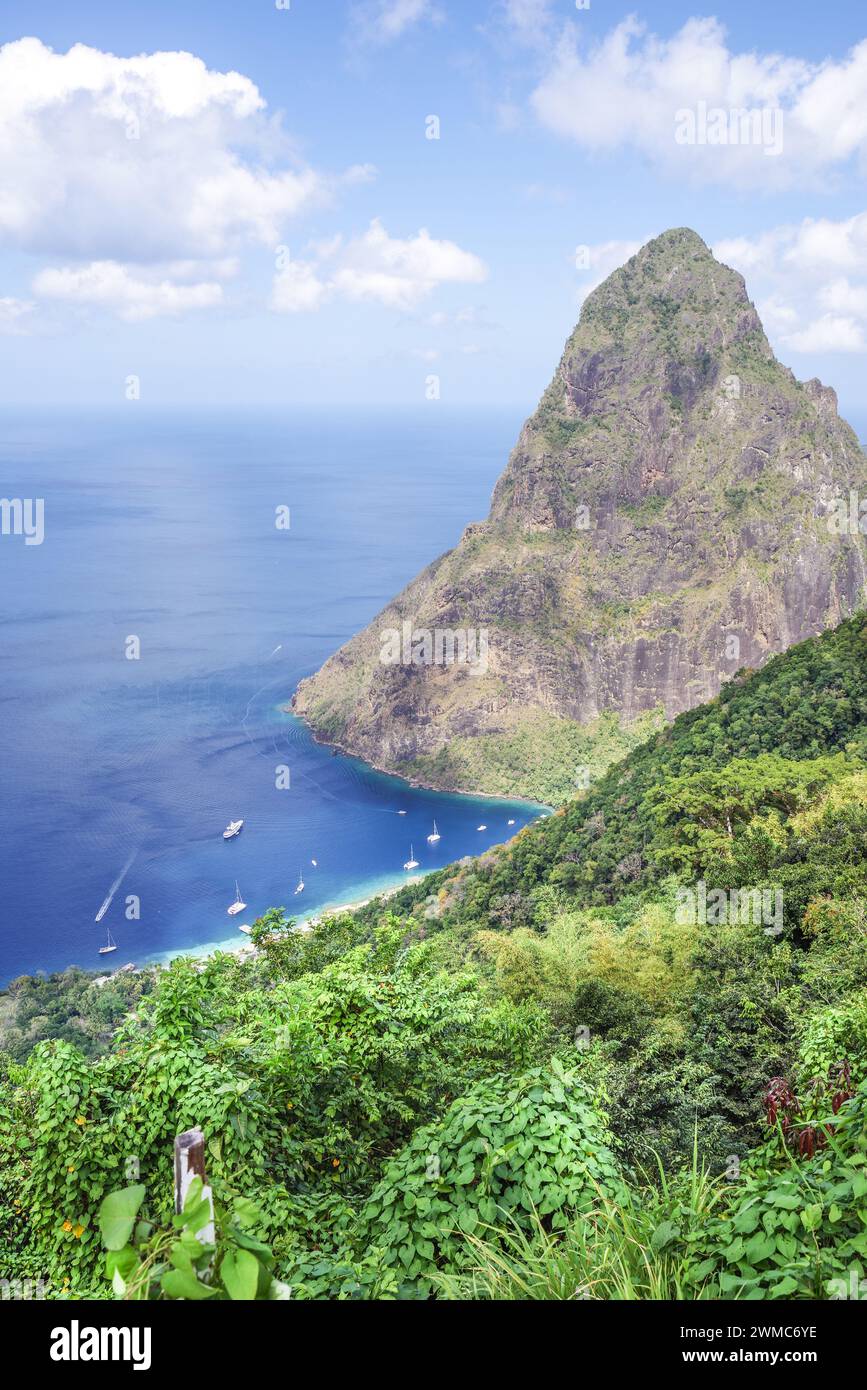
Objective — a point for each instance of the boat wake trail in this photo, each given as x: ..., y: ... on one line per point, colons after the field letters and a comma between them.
x: 114, y: 887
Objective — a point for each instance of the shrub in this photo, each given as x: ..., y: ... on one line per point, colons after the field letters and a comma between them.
x: 519, y: 1148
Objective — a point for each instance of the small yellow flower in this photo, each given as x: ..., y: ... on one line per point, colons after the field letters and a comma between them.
x: 78, y: 1232
x: 70, y: 1169
x: 335, y: 1162
x: 67, y: 1225
x: 289, y: 1105
x: 66, y: 1283
x: 80, y: 1120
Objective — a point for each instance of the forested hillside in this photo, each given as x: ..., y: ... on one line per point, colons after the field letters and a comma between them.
x: 624, y: 1056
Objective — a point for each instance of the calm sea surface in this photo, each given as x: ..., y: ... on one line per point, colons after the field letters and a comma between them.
x: 117, y: 776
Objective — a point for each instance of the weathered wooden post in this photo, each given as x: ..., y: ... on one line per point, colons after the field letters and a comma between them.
x: 189, y: 1164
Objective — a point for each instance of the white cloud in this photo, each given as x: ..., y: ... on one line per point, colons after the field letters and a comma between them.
x: 375, y: 268
x: 830, y: 333
x: 111, y: 286
x: 776, y: 315
x: 131, y: 169
x: 753, y: 253
x: 810, y: 279
x: 138, y: 159
x: 841, y: 296
x: 298, y: 288
x: 14, y: 315
x: 816, y: 247
x: 380, y: 22
x: 627, y: 90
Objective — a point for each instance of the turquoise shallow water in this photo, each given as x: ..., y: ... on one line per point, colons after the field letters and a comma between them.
x: 120, y: 774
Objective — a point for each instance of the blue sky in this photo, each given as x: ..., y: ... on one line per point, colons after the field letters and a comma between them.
x: 264, y: 220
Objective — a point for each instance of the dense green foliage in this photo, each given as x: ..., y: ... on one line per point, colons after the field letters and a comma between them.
x: 75, y: 1005
x: 531, y: 1144
x: 623, y: 1057
x: 547, y: 757
x: 808, y: 703
x: 205, y: 1253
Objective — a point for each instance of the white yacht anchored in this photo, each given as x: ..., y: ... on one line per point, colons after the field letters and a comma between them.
x: 300, y: 888
x: 412, y: 862
x: 237, y: 905
x: 432, y: 839
x: 481, y: 827
x: 110, y: 945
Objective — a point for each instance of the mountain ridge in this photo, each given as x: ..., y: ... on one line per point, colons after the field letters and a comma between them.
x: 660, y: 524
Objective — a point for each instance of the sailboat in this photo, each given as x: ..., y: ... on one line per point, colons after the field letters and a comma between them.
x: 237, y: 905
x: 300, y: 888
x: 110, y: 945
x: 432, y: 839
x: 412, y: 862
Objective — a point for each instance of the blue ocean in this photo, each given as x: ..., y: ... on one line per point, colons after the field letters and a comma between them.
x: 149, y: 644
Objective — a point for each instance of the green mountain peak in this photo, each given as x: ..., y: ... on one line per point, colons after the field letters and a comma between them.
x: 662, y: 522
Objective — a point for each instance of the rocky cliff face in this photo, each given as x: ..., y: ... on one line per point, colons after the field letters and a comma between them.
x: 664, y: 520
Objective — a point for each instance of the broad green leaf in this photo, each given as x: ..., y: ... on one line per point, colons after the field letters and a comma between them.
x: 178, y: 1283
x: 665, y: 1232
x: 246, y: 1212
x: 859, y: 1185
x: 467, y: 1220
x: 788, y: 1200
x: 785, y: 1287
x: 117, y: 1215
x: 181, y: 1258
x: 760, y: 1247
x: 240, y: 1274
x: 122, y: 1261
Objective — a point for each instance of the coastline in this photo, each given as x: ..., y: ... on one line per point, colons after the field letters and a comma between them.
x: 316, y: 915
x: 309, y: 921
x: 354, y: 896
x: 244, y: 947
x: 414, y: 782
x: 390, y: 886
